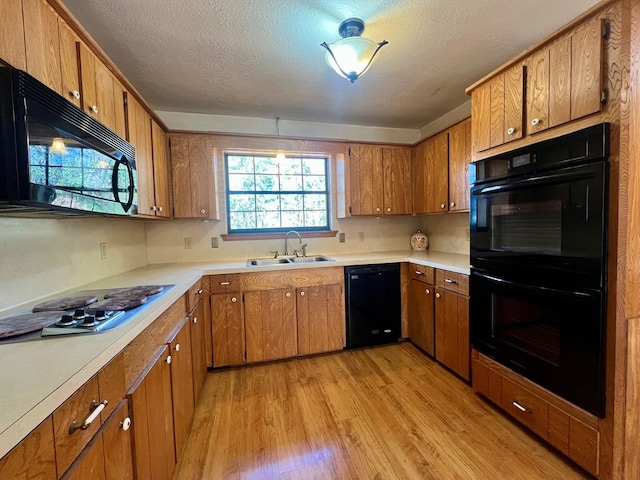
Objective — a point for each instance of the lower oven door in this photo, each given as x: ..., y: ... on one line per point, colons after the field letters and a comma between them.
x: 554, y: 337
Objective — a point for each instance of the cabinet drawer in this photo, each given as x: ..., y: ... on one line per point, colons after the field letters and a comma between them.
x: 69, y: 438
x: 422, y: 273
x: 452, y: 281
x: 227, y: 283
x: 111, y: 385
x: 196, y: 293
x: 526, y: 407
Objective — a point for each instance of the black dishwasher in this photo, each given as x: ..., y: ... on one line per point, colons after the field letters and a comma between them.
x: 373, y: 304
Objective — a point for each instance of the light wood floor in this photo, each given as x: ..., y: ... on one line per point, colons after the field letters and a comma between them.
x: 378, y: 413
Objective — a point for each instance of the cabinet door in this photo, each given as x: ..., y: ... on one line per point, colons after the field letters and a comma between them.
x: 90, y: 463
x: 459, y: 158
x: 70, y: 73
x: 42, y: 43
x: 89, y: 99
x: 160, y: 170
x: 105, y: 96
x: 586, y: 69
x: 365, y: 179
x: 538, y: 92
x: 12, y: 49
x: 152, y: 420
x: 198, y: 339
x: 481, y: 115
x: 421, y: 315
x: 182, y: 384
x: 452, y: 331
x: 420, y: 181
x: 496, y: 87
x: 270, y: 322
x: 396, y: 167
x: 560, y: 82
x: 117, y: 440
x: 119, y: 120
x: 34, y: 457
x: 321, y: 319
x: 438, y: 169
x: 228, y: 329
x: 140, y: 129
x: 513, y: 103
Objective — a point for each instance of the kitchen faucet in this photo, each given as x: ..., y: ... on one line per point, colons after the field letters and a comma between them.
x: 286, y: 238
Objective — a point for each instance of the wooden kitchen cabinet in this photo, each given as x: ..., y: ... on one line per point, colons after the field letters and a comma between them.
x: 108, y: 456
x: 380, y: 180
x: 180, y: 348
x: 159, y: 154
x: 42, y: 42
x: 12, y: 41
x: 431, y: 175
x: 33, y: 458
x: 421, y: 294
x: 193, y: 161
x: 270, y: 324
x: 140, y: 138
x: 151, y: 410
x: 320, y: 319
x: 459, y: 159
x: 69, y: 67
x: 198, y: 325
x: 452, y: 345
x: 228, y: 329
x: 497, y: 109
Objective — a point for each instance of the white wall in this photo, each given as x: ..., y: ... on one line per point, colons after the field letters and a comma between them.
x: 448, y: 232
x: 39, y: 257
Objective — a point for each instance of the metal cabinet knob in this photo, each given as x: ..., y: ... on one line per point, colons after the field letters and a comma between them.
x: 75, y: 94
x: 234, y: 299
x: 511, y: 131
x: 535, y: 121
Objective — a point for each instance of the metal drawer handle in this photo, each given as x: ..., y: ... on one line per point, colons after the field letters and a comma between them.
x: 448, y: 280
x: 520, y: 407
x: 96, y: 409
x: 224, y: 283
x: 418, y: 272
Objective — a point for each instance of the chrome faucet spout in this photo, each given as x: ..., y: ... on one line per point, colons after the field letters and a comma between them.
x: 286, y: 238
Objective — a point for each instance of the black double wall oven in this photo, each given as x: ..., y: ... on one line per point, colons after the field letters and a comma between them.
x: 538, y: 253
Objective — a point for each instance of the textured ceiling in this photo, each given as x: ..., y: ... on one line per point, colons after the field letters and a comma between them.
x: 262, y: 58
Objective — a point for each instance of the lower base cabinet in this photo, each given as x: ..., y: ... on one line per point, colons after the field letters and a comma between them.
x: 571, y: 430
x: 421, y: 325
x: 228, y: 329
x: 108, y: 456
x: 151, y: 411
x: 34, y: 457
x: 320, y: 319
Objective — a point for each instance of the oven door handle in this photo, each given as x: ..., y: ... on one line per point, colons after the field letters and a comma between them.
x: 536, y: 181
x: 502, y: 281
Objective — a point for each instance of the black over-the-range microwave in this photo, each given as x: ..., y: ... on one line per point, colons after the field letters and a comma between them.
x: 55, y: 159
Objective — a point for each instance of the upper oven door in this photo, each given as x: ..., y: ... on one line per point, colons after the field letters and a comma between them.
x: 549, y: 224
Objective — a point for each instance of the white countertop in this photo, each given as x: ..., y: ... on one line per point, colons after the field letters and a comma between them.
x: 38, y: 376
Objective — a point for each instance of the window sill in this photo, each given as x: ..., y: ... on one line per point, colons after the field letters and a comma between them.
x: 232, y: 237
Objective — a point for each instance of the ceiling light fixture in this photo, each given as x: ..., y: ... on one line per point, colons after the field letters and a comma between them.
x: 58, y: 146
x: 280, y: 157
x: 352, y: 56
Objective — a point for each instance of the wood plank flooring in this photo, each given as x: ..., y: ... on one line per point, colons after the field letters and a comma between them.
x: 383, y: 413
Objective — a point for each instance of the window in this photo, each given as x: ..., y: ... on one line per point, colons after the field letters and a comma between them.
x: 265, y: 194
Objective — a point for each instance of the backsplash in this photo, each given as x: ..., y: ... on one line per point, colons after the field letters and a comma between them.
x: 166, y: 240
x: 447, y: 232
x: 40, y: 257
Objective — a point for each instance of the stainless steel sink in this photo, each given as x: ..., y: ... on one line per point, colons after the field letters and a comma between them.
x: 261, y: 262
x: 313, y: 259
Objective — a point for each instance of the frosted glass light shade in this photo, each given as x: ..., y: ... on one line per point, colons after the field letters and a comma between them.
x: 352, y: 54
x: 58, y: 146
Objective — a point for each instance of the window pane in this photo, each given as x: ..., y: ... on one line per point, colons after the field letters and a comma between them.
x: 292, y: 219
x: 291, y: 183
x: 267, y: 165
x: 245, y: 203
x: 315, y: 202
x: 292, y: 202
x: 242, y: 221
x: 240, y: 164
x: 267, y: 203
x: 268, y: 219
x: 315, y: 183
x: 267, y: 183
x: 315, y: 219
x: 314, y: 166
x: 239, y: 182
x: 291, y: 166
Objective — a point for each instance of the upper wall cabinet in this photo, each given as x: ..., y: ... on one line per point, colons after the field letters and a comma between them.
x: 12, y: 49
x: 555, y: 84
x: 379, y: 180
x: 193, y: 172
x: 459, y: 159
x: 42, y: 43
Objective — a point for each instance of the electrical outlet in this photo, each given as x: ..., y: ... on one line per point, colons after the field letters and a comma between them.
x: 214, y: 242
x: 103, y: 251
x: 187, y: 243
x: 361, y: 236
x: 341, y: 237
